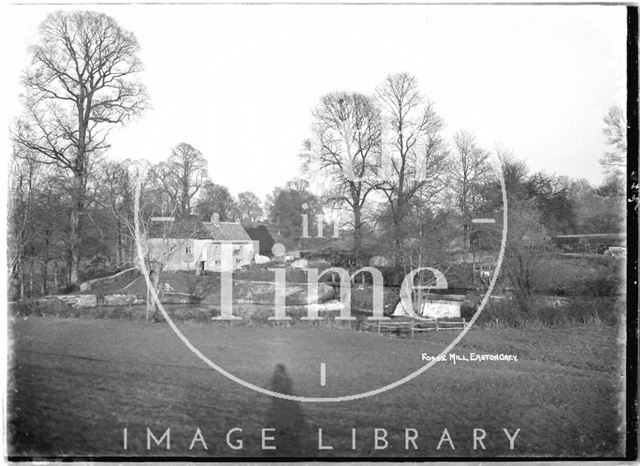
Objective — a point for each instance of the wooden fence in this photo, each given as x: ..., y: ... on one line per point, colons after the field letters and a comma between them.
x: 412, y: 327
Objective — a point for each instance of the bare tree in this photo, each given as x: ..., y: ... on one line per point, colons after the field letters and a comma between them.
x: 150, y: 259
x: 346, y: 147
x: 156, y: 240
x: 526, y: 256
x: 417, y: 153
x: 182, y: 175
x: 116, y: 188
x: 285, y: 206
x: 615, y: 130
x: 250, y: 207
x: 469, y: 172
x: 216, y: 199
x: 80, y: 84
x: 38, y: 203
x: 514, y: 171
x: 596, y: 212
x: 23, y: 182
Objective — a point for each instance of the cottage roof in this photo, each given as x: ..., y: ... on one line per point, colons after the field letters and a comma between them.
x: 261, y: 233
x: 190, y: 227
x: 227, y: 231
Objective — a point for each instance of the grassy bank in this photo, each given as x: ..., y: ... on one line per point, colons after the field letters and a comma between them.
x: 76, y: 383
x: 576, y: 311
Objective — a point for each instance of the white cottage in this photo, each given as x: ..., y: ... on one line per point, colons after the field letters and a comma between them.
x: 186, y: 243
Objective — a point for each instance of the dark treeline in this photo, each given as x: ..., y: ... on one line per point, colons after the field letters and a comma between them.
x: 41, y: 203
x: 404, y: 189
x: 387, y: 163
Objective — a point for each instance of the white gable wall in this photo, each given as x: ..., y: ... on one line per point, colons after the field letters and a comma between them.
x: 188, y: 254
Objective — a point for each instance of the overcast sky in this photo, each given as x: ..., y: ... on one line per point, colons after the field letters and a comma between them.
x: 239, y: 82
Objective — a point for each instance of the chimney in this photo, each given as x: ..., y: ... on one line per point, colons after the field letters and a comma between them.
x: 215, y: 219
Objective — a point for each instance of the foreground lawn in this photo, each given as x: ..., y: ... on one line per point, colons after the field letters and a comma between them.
x: 75, y: 384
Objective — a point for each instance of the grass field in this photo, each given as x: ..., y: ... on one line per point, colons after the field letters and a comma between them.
x: 76, y: 383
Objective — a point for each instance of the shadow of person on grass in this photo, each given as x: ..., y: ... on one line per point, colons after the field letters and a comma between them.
x: 286, y: 417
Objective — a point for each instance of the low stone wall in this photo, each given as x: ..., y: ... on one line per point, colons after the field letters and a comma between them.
x: 84, y: 301
x: 252, y: 301
x: 250, y: 314
x: 117, y: 306
x: 87, y: 301
x: 120, y: 300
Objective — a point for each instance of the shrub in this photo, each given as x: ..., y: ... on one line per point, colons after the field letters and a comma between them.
x: 579, y: 311
x: 467, y: 310
x: 71, y: 288
x: 588, y: 276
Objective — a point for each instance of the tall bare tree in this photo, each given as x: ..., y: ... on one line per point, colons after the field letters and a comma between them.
x: 470, y: 171
x: 37, y: 232
x: 416, y: 151
x: 24, y: 178
x: 527, y: 252
x: 80, y: 84
x: 216, y: 199
x: 155, y: 240
x: 615, y: 129
x: 116, y: 180
x: 250, y: 207
x: 182, y: 176
x: 346, y: 147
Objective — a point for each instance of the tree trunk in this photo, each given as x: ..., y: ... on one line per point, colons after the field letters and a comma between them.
x: 45, y: 260
x: 154, y: 278
x: 465, y: 239
x: 75, y: 233
x: 33, y: 265
x: 398, y: 244
x: 398, y: 217
x: 150, y: 302
x: 184, y: 199
x: 43, y: 272
x: 132, y: 253
x: 119, y: 251
x: 68, y: 271
x: 15, y: 279
x: 357, y: 230
x: 55, y: 276
x: 22, y: 280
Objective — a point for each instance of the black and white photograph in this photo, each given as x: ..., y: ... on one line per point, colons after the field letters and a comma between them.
x: 364, y: 231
